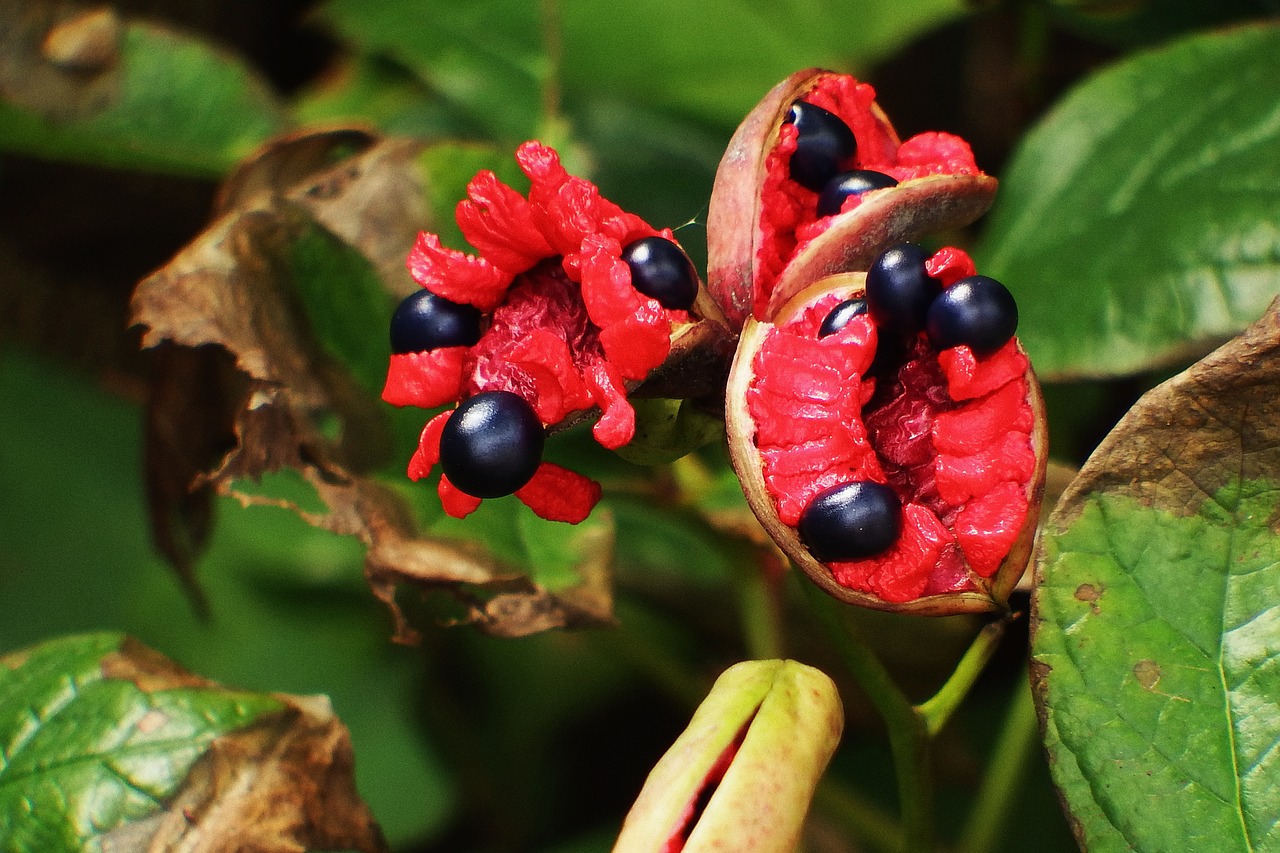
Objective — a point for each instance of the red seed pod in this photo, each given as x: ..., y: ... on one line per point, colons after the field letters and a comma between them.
x: 548, y: 311
x: 766, y: 240
x: 915, y: 473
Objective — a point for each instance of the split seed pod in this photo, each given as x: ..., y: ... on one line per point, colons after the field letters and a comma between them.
x: 766, y: 241
x: 896, y: 475
x: 741, y: 776
x: 569, y: 306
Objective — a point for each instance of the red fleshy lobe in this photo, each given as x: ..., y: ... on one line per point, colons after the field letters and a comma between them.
x: 428, y: 452
x: 498, y: 221
x: 455, y: 275
x: 969, y: 377
x: 558, y: 494
x: 617, y: 422
x: 456, y: 502
x: 949, y: 264
x: 425, y: 379
x: 988, y: 526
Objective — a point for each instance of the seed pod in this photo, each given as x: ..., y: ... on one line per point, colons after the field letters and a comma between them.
x: 766, y: 240
x: 959, y: 438
x: 570, y: 305
x: 742, y: 774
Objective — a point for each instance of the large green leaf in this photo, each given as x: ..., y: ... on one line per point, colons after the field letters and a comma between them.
x: 484, y: 59
x: 1157, y: 625
x: 86, y: 751
x: 1125, y: 22
x: 1137, y: 223
x: 714, y: 60
x: 496, y: 63
x: 136, y: 95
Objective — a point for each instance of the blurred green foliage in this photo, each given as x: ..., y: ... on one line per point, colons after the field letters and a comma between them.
x: 473, y: 743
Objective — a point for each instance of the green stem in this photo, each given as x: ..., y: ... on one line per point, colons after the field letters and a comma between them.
x: 636, y: 644
x: 908, y: 737
x: 864, y: 820
x: 1017, y: 741
x: 937, y: 710
x: 759, y: 602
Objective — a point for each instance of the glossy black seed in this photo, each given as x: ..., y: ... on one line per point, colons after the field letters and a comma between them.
x: 424, y: 321
x: 840, y: 316
x: 978, y: 311
x: 851, y: 522
x: 660, y: 269
x: 899, y: 290
x: 824, y: 144
x: 846, y: 184
x: 491, y: 445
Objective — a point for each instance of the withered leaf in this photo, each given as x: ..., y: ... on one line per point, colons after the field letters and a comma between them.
x: 110, y: 745
x: 1155, y: 616
x: 1216, y: 423
x: 244, y: 288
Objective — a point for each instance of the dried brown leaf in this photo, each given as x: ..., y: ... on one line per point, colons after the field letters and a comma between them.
x: 1216, y: 422
x: 283, y: 786
x: 230, y: 291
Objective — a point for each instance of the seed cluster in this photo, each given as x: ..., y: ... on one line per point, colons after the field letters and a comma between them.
x: 857, y: 520
x: 825, y: 146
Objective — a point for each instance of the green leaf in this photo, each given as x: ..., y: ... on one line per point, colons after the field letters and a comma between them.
x: 712, y: 60
x: 1129, y: 22
x: 560, y: 554
x: 345, y: 301
x: 716, y: 59
x: 371, y: 90
x: 1137, y: 223
x: 86, y: 751
x: 484, y: 59
x: 161, y: 100
x: 1157, y: 627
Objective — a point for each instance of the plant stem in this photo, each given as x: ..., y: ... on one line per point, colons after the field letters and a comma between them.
x: 635, y: 643
x: 1005, y: 771
x: 908, y: 737
x: 862, y: 819
x: 937, y: 710
x: 759, y: 602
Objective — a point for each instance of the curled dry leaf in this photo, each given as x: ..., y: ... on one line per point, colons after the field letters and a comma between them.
x: 285, y: 784
x: 233, y: 309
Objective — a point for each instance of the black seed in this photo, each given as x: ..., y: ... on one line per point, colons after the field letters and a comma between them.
x: 899, y: 290
x: 978, y: 311
x: 846, y: 184
x: 491, y: 445
x: 660, y: 269
x: 824, y: 144
x: 424, y: 321
x: 840, y: 316
x: 851, y: 522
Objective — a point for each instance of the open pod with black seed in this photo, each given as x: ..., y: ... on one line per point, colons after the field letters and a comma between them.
x: 569, y: 305
x: 819, y: 144
x: 743, y: 773
x: 889, y: 433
